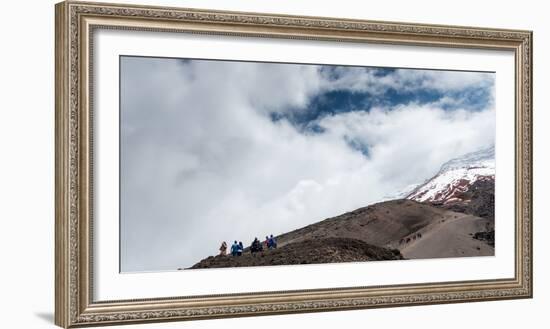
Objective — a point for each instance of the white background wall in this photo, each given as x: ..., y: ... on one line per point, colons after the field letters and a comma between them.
x: 27, y: 162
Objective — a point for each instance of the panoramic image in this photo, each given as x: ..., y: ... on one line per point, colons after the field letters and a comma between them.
x: 235, y: 163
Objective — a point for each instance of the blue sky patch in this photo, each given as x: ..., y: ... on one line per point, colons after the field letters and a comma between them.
x: 342, y: 100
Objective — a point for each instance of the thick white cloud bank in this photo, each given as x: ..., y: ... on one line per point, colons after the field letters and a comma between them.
x: 202, y: 161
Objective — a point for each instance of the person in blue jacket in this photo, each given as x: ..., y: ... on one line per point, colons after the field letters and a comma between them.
x: 240, y: 249
x: 272, y: 243
x: 234, y: 248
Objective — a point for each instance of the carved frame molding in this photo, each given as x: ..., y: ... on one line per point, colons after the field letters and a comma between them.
x: 76, y: 22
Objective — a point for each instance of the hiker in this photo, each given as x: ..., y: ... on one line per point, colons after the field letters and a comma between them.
x: 272, y: 243
x: 240, y: 249
x: 266, y: 242
x: 255, y: 246
x: 223, y: 249
x: 234, y: 248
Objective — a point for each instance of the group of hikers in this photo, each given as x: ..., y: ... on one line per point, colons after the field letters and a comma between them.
x: 237, y: 248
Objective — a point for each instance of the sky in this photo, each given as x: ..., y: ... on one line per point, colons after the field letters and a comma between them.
x: 216, y: 151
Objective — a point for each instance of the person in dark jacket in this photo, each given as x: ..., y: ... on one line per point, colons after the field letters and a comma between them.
x: 256, y: 246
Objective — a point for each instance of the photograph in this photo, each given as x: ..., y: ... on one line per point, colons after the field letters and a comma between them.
x: 227, y: 163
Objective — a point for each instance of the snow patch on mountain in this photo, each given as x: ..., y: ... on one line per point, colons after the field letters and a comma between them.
x: 455, y: 177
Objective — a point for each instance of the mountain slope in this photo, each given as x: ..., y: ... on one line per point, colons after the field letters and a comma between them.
x: 466, y: 185
x: 450, y: 215
x: 398, y: 224
x: 450, y: 238
x: 381, y: 224
x: 380, y: 231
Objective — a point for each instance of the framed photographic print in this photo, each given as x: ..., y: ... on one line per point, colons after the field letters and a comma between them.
x: 216, y: 164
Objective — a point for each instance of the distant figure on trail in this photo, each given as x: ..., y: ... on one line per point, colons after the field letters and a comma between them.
x: 234, y: 248
x: 266, y: 242
x: 223, y: 249
x: 240, y: 249
x: 272, y: 243
x: 256, y: 246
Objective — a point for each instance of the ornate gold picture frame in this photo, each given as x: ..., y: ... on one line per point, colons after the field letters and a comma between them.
x: 76, y: 22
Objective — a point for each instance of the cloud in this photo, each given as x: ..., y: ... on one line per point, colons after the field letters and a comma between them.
x: 411, y: 141
x: 203, y: 161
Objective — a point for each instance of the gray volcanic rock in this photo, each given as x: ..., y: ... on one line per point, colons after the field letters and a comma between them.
x: 478, y: 200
